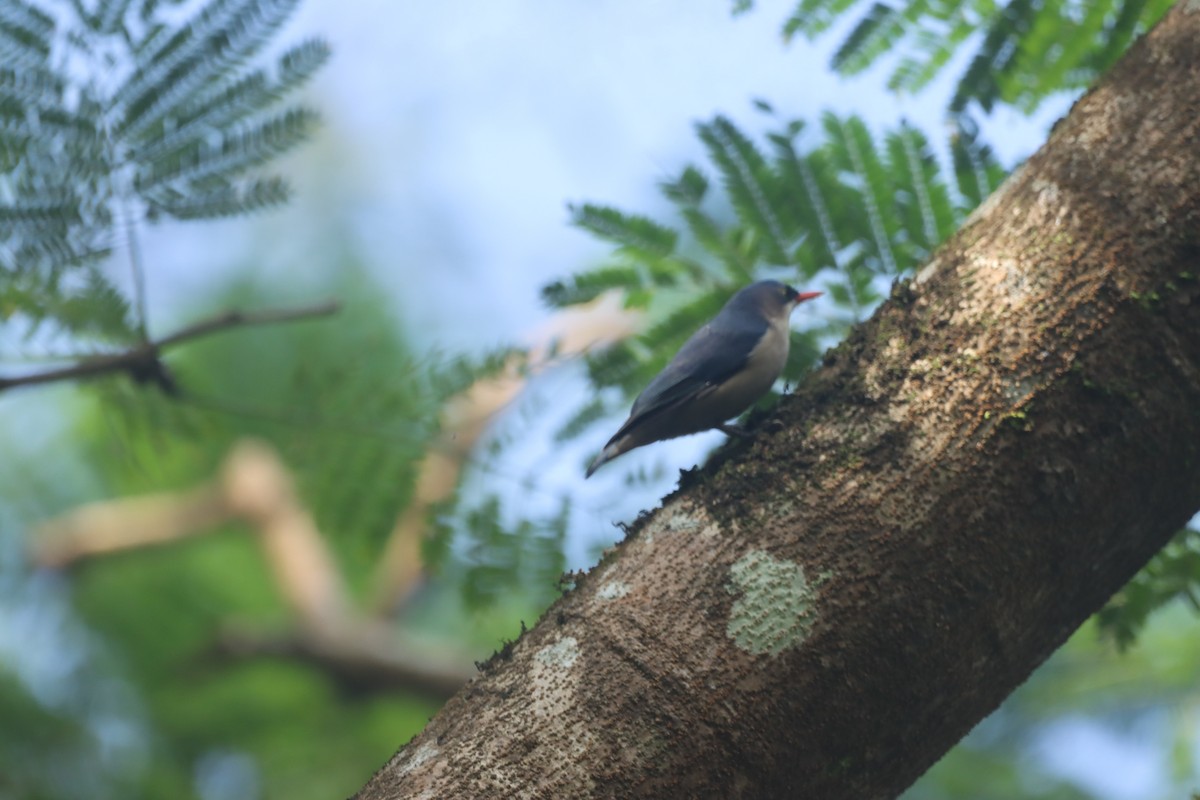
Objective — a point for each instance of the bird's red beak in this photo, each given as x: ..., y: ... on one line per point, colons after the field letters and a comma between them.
x: 802, y: 296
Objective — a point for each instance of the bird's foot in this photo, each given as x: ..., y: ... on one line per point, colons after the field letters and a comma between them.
x: 735, y: 430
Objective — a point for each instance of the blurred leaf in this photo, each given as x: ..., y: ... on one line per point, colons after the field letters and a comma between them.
x: 635, y: 235
x: 750, y: 185
x: 587, y: 286
x: 854, y: 212
x: 1172, y: 574
x: 593, y: 410
x: 84, y: 162
x: 1025, y: 52
x: 503, y: 556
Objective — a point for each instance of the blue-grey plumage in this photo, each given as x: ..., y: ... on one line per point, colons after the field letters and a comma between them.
x: 717, y: 374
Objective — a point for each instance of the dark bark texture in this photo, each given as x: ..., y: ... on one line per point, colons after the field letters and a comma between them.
x: 822, y: 612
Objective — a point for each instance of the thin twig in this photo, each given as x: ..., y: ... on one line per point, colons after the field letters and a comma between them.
x: 139, y: 273
x: 142, y: 362
x: 235, y: 319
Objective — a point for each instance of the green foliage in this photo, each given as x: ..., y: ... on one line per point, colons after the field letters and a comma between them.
x: 349, y: 405
x: 500, y: 557
x: 850, y: 214
x: 351, y: 408
x: 1025, y: 51
x: 163, y: 113
x: 199, y: 704
x: 1173, y: 574
x: 114, y: 112
x: 976, y: 171
x: 991, y: 773
x: 1145, y: 695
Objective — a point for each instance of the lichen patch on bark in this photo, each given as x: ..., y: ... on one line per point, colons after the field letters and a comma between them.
x: 563, y: 653
x: 613, y: 590
x: 409, y: 760
x: 681, y: 521
x: 776, y: 607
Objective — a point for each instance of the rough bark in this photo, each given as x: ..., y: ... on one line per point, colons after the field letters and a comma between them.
x: 824, y: 611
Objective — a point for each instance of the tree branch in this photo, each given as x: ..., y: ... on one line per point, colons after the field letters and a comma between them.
x: 142, y: 361
x: 107, y: 527
x: 362, y: 652
x: 242, y: 319
x: 369, y: 657
x: 567, y: 334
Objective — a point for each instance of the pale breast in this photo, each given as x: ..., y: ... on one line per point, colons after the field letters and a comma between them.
x: 762, y: 369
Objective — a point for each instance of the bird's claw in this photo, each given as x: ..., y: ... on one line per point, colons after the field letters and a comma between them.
x: 735, y: 430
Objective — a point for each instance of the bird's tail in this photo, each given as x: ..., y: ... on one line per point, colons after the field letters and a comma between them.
x: 611, y: 450
x: 599, y: 461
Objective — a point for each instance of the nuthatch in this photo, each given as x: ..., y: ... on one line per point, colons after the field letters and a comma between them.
x: 717, y: 374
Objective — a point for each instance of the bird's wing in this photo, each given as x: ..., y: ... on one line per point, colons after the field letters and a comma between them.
x: 700, y: 363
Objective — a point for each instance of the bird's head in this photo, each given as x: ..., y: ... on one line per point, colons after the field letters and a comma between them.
x: 774, y: 299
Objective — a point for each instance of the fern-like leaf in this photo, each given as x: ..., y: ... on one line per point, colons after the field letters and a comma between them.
x: 976, y: 171
x: 109, y: 17
x: 591, y: 412
x: 96, y: 310
x: 855, y: 154
x: 806, y: 203
x: 1174, y: 573
x: 668, y: 334
x: 638, y: 236
x: 688, y: 189
x: 587, y: 286
x: 237, y: 153
x: 853, y: 213
x: 1027, y: 52
x: 223, y: 36
x: 874, y: 35
x: 180, y: 110
x: 225, y: 201
x: 25, y: 33
x: 813, y: 17
x: 749, y: 184
x: 923, y: 202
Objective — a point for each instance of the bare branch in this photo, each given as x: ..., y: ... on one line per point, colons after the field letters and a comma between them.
x: 142, y: 361
x: 367, y: 657
x: 465, y: 418
x: 242, y: 319
x: 106, y: 527
x: 258, y: 488
x: 255, y: 487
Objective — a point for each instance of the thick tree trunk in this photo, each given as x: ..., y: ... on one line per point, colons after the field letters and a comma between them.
x: 828, y: 609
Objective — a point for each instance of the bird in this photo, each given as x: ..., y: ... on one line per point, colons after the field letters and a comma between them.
x: 718, y: 373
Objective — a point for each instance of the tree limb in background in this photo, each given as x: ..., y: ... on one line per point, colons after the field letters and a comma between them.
x: 824, y: 611
x: 365, y: 656
x: 255, y: 487
x: 568, y: 333
x: 95, y: 529
x: 143, y: 362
